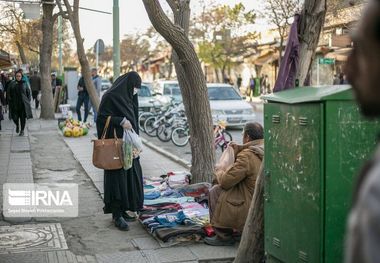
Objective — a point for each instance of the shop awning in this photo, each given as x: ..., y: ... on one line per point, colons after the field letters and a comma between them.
x: 266, y: 58
x: 339, y: 54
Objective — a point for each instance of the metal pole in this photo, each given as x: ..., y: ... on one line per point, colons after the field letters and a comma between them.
x: 97, y: 54
x: 60, y: 45
x: 116, y: 40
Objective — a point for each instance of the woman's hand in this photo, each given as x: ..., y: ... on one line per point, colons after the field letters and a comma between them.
x: 127, y: 125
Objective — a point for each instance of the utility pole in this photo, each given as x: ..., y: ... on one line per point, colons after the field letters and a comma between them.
x: 116, y: 40
x: 60, y: 45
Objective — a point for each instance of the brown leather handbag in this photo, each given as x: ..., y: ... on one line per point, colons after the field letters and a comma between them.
x: 107, y: 153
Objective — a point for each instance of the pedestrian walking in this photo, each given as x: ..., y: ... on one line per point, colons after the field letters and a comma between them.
x: 363, y: 71
x: 56, y: 83
x: 2, y: 103
x: 239, y: 81
x: 35, y: 84
x: 8, y: 80
x: 83, y: 99
x: 19, y: 102
x: 251, y: 90
x: 123, y: 189
x: 336, y: 80
x: 97, y: 80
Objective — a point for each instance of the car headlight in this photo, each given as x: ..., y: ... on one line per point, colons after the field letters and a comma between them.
x: 217, y: 112
x: 248, y: 112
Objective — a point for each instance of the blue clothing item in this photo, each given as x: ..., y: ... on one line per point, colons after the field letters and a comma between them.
x: 148, y: 186
x: 171, y: 193
x: 152, y: 195
x: 26, y: 80
x: 161, y: 200
x: 167, y: 220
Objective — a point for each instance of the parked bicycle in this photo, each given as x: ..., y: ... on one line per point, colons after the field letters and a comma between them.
x: 181, y: 135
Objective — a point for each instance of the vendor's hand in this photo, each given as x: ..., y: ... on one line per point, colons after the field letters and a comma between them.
x: 234, y: 146
x: 127, y: 125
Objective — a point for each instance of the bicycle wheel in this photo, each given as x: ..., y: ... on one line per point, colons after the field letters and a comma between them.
x: 149, y: 126
x: 180, y: 136
x: 142, y: 118
x: 227, y: 136
x: 164, y: 132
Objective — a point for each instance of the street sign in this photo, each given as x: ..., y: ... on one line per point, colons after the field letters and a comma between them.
x: 99, y: 46
x: 31, y: 10
x: 326, y: 61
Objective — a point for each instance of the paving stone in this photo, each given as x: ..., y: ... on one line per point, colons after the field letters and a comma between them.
x: 173, y: 254
x: 122, y: 257
x: 145, y: 243
x: 36, y: 257
x: 203, y: 252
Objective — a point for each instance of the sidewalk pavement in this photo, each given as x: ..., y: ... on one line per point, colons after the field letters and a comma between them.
x: 136, y: 245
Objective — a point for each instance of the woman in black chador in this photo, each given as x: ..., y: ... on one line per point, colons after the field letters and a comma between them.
x: 123, y: 189
x: 19, y: 96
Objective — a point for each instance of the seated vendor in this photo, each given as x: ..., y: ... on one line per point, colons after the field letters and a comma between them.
x: 230, y: 198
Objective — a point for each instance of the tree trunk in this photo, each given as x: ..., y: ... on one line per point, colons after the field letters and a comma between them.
x: 217, y: 75
x: 21, y: 52
x: 47, y: 111
x: 280, y: 50
x: 251, y: 248
x: 85, y: 66
x: 171, y: 65
x: 311, y: 25
x: 192, y: 83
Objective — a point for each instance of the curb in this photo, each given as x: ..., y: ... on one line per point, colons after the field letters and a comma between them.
x: 167, y: 154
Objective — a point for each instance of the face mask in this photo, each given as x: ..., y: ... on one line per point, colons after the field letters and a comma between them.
x: 134, y: 91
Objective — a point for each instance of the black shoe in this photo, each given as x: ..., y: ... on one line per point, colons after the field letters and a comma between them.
x: 21, y: 133
x: 128, y: 218
x: 17, y: 129
x: 121, y: 224
x: 215, y: 241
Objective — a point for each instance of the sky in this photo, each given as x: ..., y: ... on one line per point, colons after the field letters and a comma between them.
x: 133, y: 18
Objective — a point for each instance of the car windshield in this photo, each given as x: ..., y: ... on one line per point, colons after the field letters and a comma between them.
x: 172, y: 89
x: 176, y: 91
x: 144, y: 91
x: 223, y: 93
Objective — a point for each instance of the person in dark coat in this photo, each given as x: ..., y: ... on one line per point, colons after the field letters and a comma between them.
x: 123, y: 189
x: 19, y: 96
x: 2, y: 102
x: 35, y: 84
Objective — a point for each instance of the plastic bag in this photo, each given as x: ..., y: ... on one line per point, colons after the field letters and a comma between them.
x: 132, y: 137
x: 127, y: 152
x: 226, y: 160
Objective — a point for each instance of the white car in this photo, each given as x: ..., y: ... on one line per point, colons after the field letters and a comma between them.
x: 168, y: 90
x: 146, y: 99
x: 226, y: 104
x: 106, y: 84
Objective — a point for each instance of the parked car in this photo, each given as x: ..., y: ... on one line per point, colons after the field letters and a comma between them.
x: 167, y: 90
x: 106, y: 84
x: 226, y: 104
x: 146, y: 98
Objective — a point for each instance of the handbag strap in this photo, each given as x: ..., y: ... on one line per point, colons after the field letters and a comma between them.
x: 106, y: 127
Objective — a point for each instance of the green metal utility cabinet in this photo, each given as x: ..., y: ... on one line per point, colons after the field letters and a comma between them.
x: 315, y: 143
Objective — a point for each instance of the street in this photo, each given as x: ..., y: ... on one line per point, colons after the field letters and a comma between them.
x: 185, y: 152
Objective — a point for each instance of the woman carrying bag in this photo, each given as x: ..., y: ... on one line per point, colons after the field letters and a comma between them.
x: 123, y: 189
x: 19, y: 96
